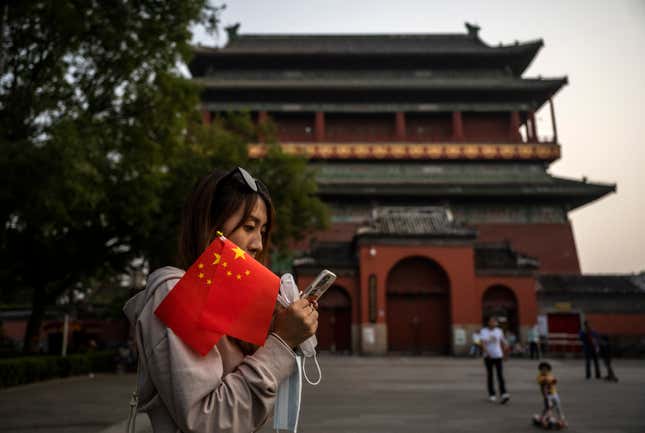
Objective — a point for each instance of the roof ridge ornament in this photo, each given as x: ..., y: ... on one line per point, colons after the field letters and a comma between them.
x: 473, y: 30
x: 232, y: 31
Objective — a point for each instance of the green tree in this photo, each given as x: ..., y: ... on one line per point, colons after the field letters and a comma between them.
x: 100, y: 139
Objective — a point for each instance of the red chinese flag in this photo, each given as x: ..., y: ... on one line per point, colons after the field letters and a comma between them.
x: 242, y: 293
x: 182, y: 307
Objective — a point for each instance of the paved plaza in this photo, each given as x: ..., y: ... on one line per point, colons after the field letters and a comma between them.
x: 357, y: 394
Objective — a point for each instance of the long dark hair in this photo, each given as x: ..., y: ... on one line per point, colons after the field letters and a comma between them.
x: 213, y: 200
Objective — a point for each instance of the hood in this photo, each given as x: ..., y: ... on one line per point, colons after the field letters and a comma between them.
x: 133, y: 309
x: 135, y: 304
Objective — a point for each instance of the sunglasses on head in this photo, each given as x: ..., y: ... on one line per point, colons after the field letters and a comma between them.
x: 256, y: 185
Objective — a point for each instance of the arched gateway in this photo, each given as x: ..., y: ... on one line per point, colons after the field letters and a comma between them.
x: 418, y: 307
x: 501, y: 302
x: 335, y: 320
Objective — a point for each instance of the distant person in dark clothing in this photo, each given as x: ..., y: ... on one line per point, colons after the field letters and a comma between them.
x: 590, y: 348
x: 605, y: 354
x: 534, y: 342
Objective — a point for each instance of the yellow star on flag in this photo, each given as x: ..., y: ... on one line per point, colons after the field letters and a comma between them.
x: 229, y: 273
x: 200, y: 266
x: 208, y: 281
x: 239, y: 252
x: 217, y: 258
x: 201, y: 275
x: 238, y: 276
x: 247, y: 272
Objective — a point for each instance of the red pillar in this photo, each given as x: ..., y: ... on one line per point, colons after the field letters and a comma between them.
x: 514, y: 128
x: 263, y: 117
x: 206, y: 117
x: 457, y: 126
x: 555, y: 128
x: 400, y: 126
x: 319, y: 126
x: 533, y: 127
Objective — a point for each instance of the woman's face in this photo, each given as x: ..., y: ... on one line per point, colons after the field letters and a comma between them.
x: 248, y: 235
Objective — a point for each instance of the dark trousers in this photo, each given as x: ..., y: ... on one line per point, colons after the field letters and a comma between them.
x: 589, y: 355
x: 535, y: 350
x: 497, y: 362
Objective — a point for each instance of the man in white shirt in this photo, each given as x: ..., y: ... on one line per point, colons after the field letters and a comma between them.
x: 494, y: 345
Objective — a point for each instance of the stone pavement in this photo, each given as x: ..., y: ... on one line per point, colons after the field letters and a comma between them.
x: 390, y: 394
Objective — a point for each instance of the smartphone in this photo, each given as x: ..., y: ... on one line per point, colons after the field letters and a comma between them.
x: 319, y: 285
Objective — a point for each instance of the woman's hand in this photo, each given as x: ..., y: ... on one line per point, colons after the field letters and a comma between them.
x: 296, y: 323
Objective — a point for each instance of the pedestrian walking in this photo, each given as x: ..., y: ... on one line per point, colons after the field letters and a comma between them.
x: 494, y: 348
x: 605, y: 354
x: 590, y: 348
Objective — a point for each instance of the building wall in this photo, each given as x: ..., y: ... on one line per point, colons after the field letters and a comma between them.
x: 381, y: 127
x: 296, y: 127
x: 338, y: 232
x: 379, y: 259
x: 618, y: 324
x: 523, y: 288
x: 486, y: 127
x: 106, y: 332
x: 428, y: 127
x: 350, y: 284
x: 621, y: 316
x: 552, y: 244
x: 347, y: 127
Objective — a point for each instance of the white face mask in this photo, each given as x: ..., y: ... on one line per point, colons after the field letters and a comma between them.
x: 287, y: 403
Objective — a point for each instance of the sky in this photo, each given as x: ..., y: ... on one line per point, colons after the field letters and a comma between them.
x: 598, y: 45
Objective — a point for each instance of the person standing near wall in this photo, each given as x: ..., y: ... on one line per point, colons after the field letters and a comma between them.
x: 590, y: 346
x: 534, y: 340
x: 494, y: 347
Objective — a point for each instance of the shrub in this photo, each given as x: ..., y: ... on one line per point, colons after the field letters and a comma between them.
x: 27, y: 369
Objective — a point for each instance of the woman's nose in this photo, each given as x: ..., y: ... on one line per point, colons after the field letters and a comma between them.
x: 255, y: 246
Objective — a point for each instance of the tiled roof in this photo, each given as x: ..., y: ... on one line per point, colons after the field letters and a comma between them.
x: 500, y: 256
x: 432, y: 221
x: 329, y: 255
x: 592, y: 284
x: 360, y: 81
x: 455, y: 180
x: 454, y: 48
x: 369, y: 43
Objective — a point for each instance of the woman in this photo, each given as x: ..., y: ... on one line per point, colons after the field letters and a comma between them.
x: 233, y: 387
x: 494, y: 347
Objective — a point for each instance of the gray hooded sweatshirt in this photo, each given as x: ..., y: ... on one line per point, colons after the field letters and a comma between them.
x: 182, y: 391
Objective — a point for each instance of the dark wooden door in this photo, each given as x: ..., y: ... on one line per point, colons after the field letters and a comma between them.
x: 334, y: 321
x: 418, y: 307
x: 418, y: 323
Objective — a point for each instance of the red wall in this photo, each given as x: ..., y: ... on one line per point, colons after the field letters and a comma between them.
x: 524, y: 289
x: 293, y: 127
x: 483, y: 127
x: 457, y: 261
x: 350, y: 284
x: 618, y: 324
x: 341, y: 127
x: 381, y: 127
x: 424, y: 127
x: 337, y: 232
x: 552, y: 244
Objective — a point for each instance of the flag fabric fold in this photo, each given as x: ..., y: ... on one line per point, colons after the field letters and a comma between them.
x: 225, y: 292
x: 180, y: 311
x: 242, y: 294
